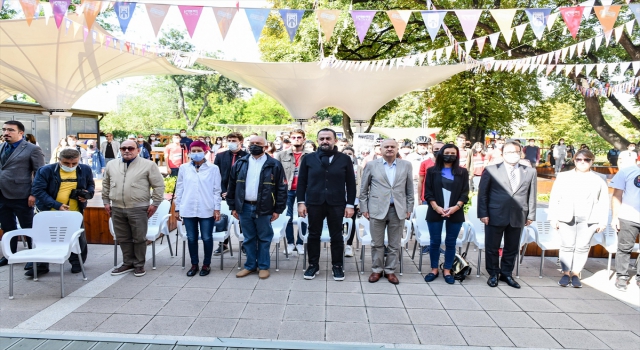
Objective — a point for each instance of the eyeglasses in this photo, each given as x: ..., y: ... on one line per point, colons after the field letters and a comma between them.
x: 130, y: 149
x: 585, y: 160
x: 512, y: 152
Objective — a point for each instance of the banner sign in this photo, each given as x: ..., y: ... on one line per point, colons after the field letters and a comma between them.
x: 291, y: 19
x: 572, y: 17
x: 29, y: 9
x: 538, y: 20
x: 362, y: 21
x: 607, y: 16
x: 157, y: 13
x: 59, y: 8
x: 257, y: 19
x: 224, y: 17
x: 399, y: 19
x: 468, y: 21
x: 190, y: 16
x: 433, y: 21
x: 327, y: 20
x: 124, y: 12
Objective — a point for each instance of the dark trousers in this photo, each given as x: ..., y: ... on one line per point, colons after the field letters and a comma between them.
x: 334, y: 215
x: 492, y: 238
x: 629, y: 231
x: 12, y: 210
x: 354, y: 227
x: 291, y: 200
x: 174, y: 171
x: 196, y: 228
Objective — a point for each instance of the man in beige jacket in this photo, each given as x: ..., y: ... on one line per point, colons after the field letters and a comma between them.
x: 126, y: 197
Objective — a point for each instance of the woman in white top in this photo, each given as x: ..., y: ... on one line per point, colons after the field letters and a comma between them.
x: 578, y: 208
x: 559, y: 154
x: 198, y: 203
x: 357, y: 170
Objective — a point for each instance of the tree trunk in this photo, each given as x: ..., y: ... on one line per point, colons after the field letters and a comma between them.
x: 346, y: 126
x: 600, y: 125
x: 372, y: 121
x: 475, y: 134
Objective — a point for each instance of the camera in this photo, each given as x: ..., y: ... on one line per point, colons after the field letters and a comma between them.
x: 80, y: 193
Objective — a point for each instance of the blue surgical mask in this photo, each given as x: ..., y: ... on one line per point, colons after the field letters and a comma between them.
x: 197, y: 156
x: 66, y: 169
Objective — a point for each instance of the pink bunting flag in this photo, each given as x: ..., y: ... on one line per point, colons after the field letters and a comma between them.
x: 60, y: 8
x: 481, y: 40
x: 29, y: 8
x: 190, y: 16
x: 157, y: 13
x: 572, y: 17
x: 224, y: 17
x: 468, y: 21
x: 362, y: 21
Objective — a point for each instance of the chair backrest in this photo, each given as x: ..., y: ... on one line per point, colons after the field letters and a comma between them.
x: 163, y: 209
x: 542, y: 223
x: 224, y: 208
x: 420, y: 220
x: 55, y: 226
x: 280, y: 225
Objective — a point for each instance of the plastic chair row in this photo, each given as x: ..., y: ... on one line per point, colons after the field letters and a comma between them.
x: 366, y: 239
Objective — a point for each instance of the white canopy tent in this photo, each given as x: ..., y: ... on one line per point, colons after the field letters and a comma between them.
x: 56, y: 67
x: 305, y: 88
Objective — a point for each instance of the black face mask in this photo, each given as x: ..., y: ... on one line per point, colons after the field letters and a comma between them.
x: 256, y: 150
x: 449, y: 158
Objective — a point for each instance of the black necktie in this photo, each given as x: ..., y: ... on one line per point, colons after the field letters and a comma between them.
x: 6, y: 153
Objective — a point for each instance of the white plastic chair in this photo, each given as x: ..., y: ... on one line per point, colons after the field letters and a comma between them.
x: 365, y: 239
x: 55, y: 236
x: 325, y: 237
x: 608, y: 239
x: 157, y: 225
x: 216, y: 236
x: 279, y: 233
x: 546, y: 237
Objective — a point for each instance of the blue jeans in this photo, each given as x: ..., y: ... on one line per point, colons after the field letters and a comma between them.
x: 435, y: 233
x: 258, y: 234
x: 291, y: 199
x: 206, y: 230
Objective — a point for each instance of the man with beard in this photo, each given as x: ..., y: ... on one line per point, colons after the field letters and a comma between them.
x: 324, y: 175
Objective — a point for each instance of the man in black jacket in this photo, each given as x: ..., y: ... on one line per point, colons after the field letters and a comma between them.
x: 506, y: 203
x: 325, y: 175
x: 257, y: 195
x: 64, y: 186
x: 225, y: 161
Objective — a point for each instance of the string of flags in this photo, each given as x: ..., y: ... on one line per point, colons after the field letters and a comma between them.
x: 594, y: 87
x: 539, y: 18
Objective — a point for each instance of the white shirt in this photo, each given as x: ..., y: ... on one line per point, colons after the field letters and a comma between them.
x: 508, y: 168
x: 628, y: 180
x: 198, y: 192
x: 253, y: 177
x: 391, y: 173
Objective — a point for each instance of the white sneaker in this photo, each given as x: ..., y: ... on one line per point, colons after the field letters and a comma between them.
x: 348, y: 251
x: 290, y: 248
x: 300, y: 249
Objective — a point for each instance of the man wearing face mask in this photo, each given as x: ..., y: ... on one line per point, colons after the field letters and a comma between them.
x: 405, y: 150
x: 145, y: 147
x: 174, y: 155
x: 64, y: 186
x: 506, y: 203
x: 424, y: 166
x: 225, y: 161
x: 126, y: 198
x: 495, y: 156
x: 185, y: 141
x: 257, y: 195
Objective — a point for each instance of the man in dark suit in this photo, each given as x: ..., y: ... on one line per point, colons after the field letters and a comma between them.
x: 325, y: 175
x: 19, y: 161
x: 506, y: 203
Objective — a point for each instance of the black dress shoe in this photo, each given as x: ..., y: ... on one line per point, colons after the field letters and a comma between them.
x: 76, y: 268
x: 510, y: 281
x: 493, y: 281
x: 28, y: 266
x: 40, y: 272
x: 205, y: 270
x: 193, y: 270
x: 3, y: 261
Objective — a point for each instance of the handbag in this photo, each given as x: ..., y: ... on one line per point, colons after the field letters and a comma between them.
x: 222, y: 224
x: 461, y: 268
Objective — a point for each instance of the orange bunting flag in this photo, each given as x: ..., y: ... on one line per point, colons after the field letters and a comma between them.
x: 327, y: 20
x: 91, y: 11
x: 607, y: 16
x: 29, y: 8
x: 399, y: 19
x: 224, y: 17
x: 156, y: 14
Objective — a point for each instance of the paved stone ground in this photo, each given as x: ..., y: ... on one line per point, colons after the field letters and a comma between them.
x: 167, y: 304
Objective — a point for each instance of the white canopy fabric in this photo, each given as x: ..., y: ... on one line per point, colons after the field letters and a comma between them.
x: 6, y: 92
x: 56, y: 67
x: 305, y: 88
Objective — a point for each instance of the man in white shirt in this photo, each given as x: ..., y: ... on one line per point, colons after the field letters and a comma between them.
x: 625, y: 211
x: 628, y: 158
x: 257, y: 195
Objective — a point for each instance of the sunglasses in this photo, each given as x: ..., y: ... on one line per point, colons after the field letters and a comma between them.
x: 586, y: 160
x: 130, y: 149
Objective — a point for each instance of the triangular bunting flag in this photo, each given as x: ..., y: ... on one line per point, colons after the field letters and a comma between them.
x: 572, y: 50
x: 468, y: 21
x: 447, y: 51
x: 157, y: 13
x: 572, y: 17
x: 224, y: 17
x: 552, y: 19
x: 29, y: 8
x: 579, y: 69
x: 623, y: 67
x: 636, y: 67
x: 619, y: 31
x: 422, y: 56
x: 588, y: 5
x: 580, y: 48
x: 607, y: 16
x: 59, y: 9
x: 549, y: 69
x: 362, y: 20
x: 520, y: 31
x: 568, y: 68
x: 430, y: 58
x: 629, y: 26
x: 541, y: 68
x: 598, y: 41
x: 507, y: 36
x: 559, y: 69
x: 587, y: 45
x: 91, y: 11
x: 563, y: 53
x: 439, y: 53
x: 611, y: 67
x: 327, y: 20
x: 599, y: 68
x: 399, y: 19
x: 48, y: 12
x: 433, y: 21
x: 538, y: 20
x: 124, y: 12
x: 635, y: 8
x: 504, y: 18
x: 481, y: 40
x: 493, y: 38
x: 190, y: 16
x: 257, y: 19
x: 589, y: 69
x: 468, y: 45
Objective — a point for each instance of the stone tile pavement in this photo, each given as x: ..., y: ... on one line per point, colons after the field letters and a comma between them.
x: 166, y: 304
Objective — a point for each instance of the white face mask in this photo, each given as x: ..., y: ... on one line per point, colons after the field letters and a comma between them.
x: 152, y: 138
x: 218, y: 142
x: 66, y: 169
x: 499, y: 145
x: 511, y: 158
x: 233, y: 146
x: 140, y: 139
x: 183, y: 134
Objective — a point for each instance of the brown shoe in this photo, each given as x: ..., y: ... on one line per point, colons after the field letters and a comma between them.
x: 392, y: 278
x: 121, y: 270
x: 374, y: 277
x: 139, y: 272
x: 263, y: 274
x: 244, y: 273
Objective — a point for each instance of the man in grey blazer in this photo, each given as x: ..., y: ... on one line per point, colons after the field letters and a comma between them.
x: 19, y: 161
x: 386, y: 199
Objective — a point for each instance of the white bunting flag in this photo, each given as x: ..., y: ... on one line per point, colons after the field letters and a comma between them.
x: 468, y: 45
x: 572, y: 50
x: 619, y: 32
x: 568, y: 68
x: 447, y: 51
x: 624, y: 66
x: 606, y: 2
x: 580, y: 48
x: 520, y: 31
x: 507, y: 36
x: 493, y: 38
x: 430, y: 58
x: 504, y: 19
x: 611, y: 67
x: 589, y: 68
x: 541, y: 68
x: 439, y: 53
x: 481, y: 40
x: 588, y: 5
x: 564, y: 52
x: 552, y: 19
x: 579, y: 68
x: 599, y: 68
x: 598, y: 41
x: 587, y: 45
x: 559, y: 69
x: 636, y: 67
x: 422, y: 56
x: 48, y: 11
